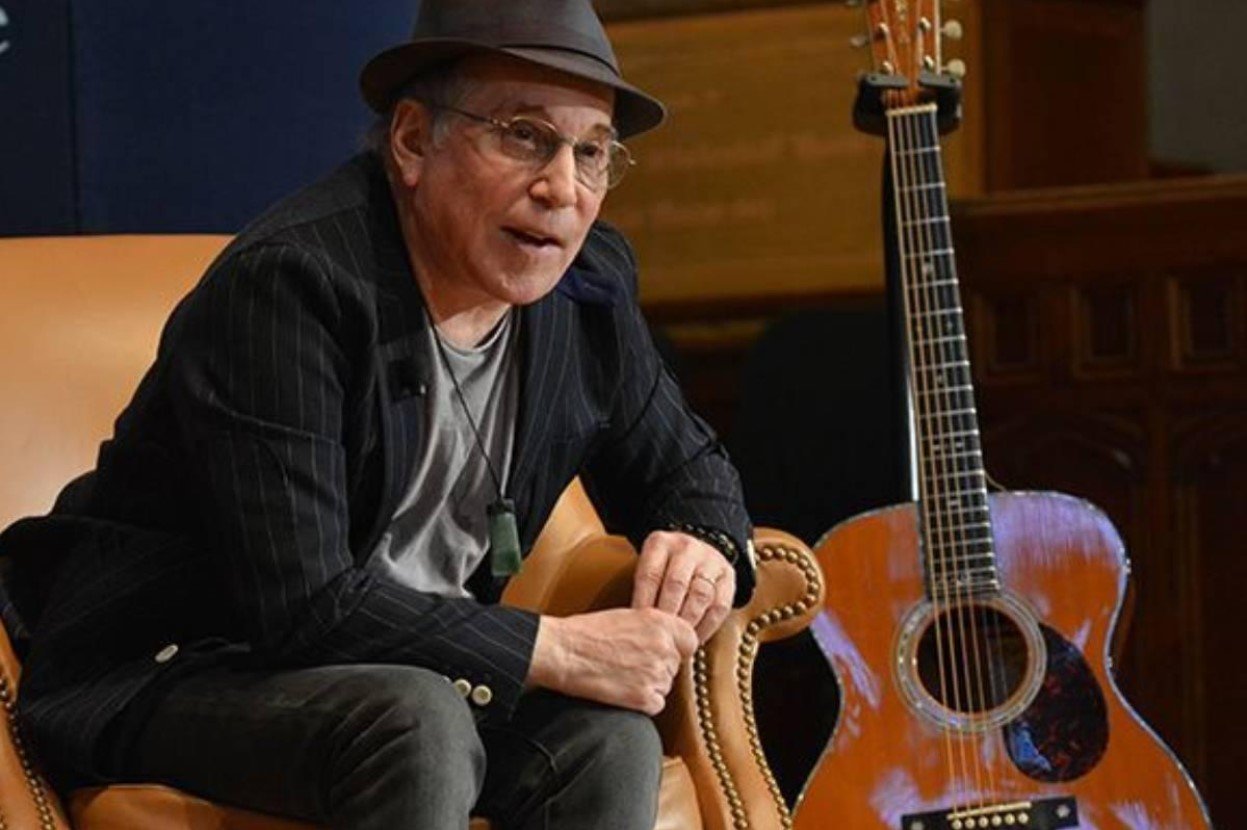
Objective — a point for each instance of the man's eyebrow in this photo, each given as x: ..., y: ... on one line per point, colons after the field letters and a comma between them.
x: 602, y: 127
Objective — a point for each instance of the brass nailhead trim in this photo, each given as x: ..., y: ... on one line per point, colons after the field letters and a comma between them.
x: 9, y: 702
x: 744, y: 659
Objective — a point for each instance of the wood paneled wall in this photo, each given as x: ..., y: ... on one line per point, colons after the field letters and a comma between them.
x: 758, y: 183
x: 1066, y: 92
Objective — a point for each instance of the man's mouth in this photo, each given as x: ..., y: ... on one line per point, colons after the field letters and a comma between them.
x: 533, y: 238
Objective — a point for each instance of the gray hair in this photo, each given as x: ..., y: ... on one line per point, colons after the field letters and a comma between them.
x: 442, y: 86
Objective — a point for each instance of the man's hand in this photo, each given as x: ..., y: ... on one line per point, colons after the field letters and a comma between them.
x: 683, y: 575
x: 622, y: 657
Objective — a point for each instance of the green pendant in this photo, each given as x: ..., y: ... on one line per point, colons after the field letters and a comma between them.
x: 504, y: 539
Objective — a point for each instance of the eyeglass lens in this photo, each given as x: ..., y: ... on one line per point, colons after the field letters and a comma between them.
x: 600, y: 162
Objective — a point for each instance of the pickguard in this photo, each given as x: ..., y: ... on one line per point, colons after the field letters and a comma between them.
x: 1063, y: 734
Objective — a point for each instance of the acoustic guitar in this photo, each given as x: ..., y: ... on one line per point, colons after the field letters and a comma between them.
x: 969, y: 631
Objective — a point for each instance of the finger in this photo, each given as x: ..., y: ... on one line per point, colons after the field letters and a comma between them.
x: 684, y: 636
x: 675, y: 582
x: 719, y: 609
x: 702, y: 591
x: 649, y: 572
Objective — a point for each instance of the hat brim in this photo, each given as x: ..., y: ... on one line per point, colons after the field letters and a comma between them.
x: 383, y: 76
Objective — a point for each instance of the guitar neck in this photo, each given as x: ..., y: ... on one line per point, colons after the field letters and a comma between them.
x: 958, y: 552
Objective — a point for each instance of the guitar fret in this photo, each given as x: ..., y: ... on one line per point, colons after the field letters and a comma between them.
x: 945, y: 559
x: 938, y: 313
x: 963, y: 576
x: 960, y: 434
x: 949, y: 339
x: 946, y: 390
x: 937, y: 252
x: 969, y: 527
x: 937, y: 452
x: 920, y: 151
x: 935, y: 221
x: 963, y: 572
x: 970, y: 587
x: 951, y: 550
x: 959, y: 493
x: 962, y: 558
x: 965, y: 511
x: 948, y: 413
x: 948, y: 477
x: 968, y: 571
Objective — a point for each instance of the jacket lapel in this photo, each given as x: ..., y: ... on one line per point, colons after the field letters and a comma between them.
x: 401, y: 363
x: 546, y: 357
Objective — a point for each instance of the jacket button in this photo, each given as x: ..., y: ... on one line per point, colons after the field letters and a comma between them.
x: 482, y: 695
x: 167, y: 653
x: 463, y: 687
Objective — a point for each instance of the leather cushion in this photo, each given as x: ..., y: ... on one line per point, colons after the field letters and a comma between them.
x: 154, y: 807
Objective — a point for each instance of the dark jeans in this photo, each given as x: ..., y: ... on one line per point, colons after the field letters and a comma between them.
x: 392, y: 747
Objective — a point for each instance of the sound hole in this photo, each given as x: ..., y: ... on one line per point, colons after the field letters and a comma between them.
x: 971, y: 658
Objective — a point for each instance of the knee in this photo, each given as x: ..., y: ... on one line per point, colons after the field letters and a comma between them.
x: 413, y: 719
x: 623, y: 751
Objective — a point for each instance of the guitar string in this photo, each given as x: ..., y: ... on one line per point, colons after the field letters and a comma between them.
x: 906, y: 264
x: 921, y: 156
x: 989, y: 650
x: 933, y: 517
x: 920, y: 394
x: 942, y: 408
x: 960, y: 409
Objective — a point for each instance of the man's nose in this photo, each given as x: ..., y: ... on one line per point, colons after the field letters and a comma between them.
x: 556, y: 184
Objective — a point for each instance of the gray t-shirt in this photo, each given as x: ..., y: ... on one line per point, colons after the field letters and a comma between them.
x: 440, y: 531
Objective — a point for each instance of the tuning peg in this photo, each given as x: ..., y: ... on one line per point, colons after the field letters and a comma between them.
x: 956, y: 67
x: 859, y: 41
x: 953, y: 30
x: 853, y: 4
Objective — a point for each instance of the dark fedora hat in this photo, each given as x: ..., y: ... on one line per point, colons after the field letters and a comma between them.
x: 562, y: 34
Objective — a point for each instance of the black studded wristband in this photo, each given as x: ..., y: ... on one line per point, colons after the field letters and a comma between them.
x: 712, y: 536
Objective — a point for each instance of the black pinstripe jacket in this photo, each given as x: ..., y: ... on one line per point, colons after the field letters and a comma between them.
x: 267, y: 447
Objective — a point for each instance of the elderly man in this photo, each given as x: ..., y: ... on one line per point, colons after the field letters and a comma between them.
x: 278, y: 588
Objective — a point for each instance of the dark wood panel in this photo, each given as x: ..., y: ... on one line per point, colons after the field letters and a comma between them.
x: 1210, y: 489
x: 1065, y: 92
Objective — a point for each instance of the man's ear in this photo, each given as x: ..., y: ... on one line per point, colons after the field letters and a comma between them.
x: 411, y: 136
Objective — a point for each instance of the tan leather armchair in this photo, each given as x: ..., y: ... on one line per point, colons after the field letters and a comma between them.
x: 79, y: 319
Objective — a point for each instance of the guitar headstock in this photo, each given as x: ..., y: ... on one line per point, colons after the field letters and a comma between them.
x: 906, y: 40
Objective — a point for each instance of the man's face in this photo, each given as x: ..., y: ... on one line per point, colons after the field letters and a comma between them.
x: 489, y: 228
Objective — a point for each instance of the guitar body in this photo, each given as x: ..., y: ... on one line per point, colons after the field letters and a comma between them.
x: 1072, y: 746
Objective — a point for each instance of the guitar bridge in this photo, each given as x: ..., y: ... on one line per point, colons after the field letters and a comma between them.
x: 1046, y: 814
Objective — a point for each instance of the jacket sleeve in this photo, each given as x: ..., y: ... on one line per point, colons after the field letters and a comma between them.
x: 265, y: 370
x: 661, y: 465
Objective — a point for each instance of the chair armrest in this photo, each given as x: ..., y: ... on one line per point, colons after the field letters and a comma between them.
x: 26, y: 801
x: 709, y: 719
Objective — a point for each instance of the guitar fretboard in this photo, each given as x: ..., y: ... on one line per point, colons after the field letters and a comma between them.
x: 958, y: 554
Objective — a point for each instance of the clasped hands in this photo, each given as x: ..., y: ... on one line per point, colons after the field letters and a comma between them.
x: 628, y: 657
